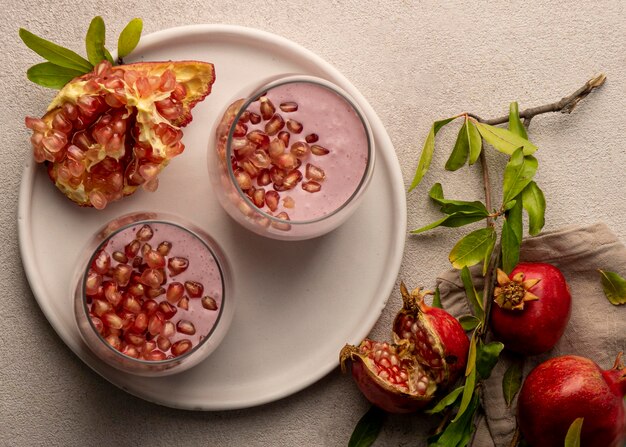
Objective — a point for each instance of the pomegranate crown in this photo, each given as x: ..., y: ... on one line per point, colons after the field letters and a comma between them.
x: 414, y: 300
x: 512, y: 293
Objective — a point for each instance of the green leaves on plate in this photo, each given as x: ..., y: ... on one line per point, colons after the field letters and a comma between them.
x: 129, y: 37
x: 614, y: 287
x: 472, y: 248
x: 368, y: 428
x: 427, y: 152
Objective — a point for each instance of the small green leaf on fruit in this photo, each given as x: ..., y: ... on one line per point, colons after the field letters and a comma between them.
x: 572, y: 438
x: 470, y: 293
x: 427, y: 152
x: 515, y: 123
x: 368, y: 428
x: 437, y: 299
x: 518, y: 173
x: 512, y: 380
x: 469, y: 322
x: 504, y: 140
x: 472, y: 248
x: 475, y: 143
x: 460, y: 152
x: 446, y: 401
x: 614, y: 287
x: 94, y: 41
x: 129, y: 37
x: 54, y: 53
x: 49, y: 75
x: 487, y: 357
x: 535, y: 205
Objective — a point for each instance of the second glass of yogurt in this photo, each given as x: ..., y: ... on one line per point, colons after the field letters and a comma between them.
x: 292, y: 160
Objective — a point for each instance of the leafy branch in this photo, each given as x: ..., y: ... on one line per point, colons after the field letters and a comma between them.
x: 64, y: 65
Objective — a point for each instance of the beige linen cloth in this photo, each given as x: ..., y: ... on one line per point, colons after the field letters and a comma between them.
x: 597, y: 329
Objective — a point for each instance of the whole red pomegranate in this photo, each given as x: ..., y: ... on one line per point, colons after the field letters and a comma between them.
x: 533, y: 306
x: 114, y: 129
x: 430, y: 351
x: 562, y: 389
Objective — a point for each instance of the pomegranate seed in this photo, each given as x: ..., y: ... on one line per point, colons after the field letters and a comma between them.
x: 131, y: 304
x: 267, y: 108
x: 167, y: 81
x: 180, y: 347
x: 112, y: 320
x: 164, y: 248
x: 177, y: 265
x: 260, y: 159
x: 240, y: 130
x: 283, y: 226
x: 311, y: 186
x: 152, y: 277
x: 287, y: 161
x: 294, y: 126
x: 276, y: 148
x: 255, y: 118
x: 314, y: 172
x: 289, y: 106
x: 288, y: 202
x: 98, y: 200
x: 243, y: 179
x: 132, y: 248
x: 136, y: 289
x: 134, y: 339
x: 184, y: 303
x: 114, y: 297
x: 319, y: 150
x: 128, y: 319
x: 284, y: 137
x: 168, y: 310
x: 271, y: 200
x: 145, y: 233
x: 155, y: 324
x: 300, y: 149
x: 121, y: 274
x: 36, y: 124
x: 145, y: 248
x: 99, y: 307
x: 264, y: 178
x: 290, y: 180
x: 174, y: 292
x: 155, y: 292
x: 150, y: 306
x: 245, y: 116
x: 138, y: 262
x: 194, y: 288
x: 249, y: 169
x: 97, y: 324
x: 114, y: 341
x: 130, y: 351
x: 168, y: 329
x: 258, y: 198
x: 154, y: 259
x: 209, y: 303
x: 185, y: 327
x: 274, y: 125
x: 141, y: 323
x: 148, y: 345
x: 258, y: 138
x: 92, y: 283
x: 155, y: 355
x: 312, y: 138
x: 120, y: 257
x: 163, y: 343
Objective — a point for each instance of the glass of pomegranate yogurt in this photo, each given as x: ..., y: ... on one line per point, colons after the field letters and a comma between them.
x: 153, y: 294
x: 292, y: 159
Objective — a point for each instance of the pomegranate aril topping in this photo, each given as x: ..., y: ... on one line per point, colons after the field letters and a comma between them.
x: 319, y: 150
x: 148, y: 345
x: 154, y: 292
x: 284, y: 137
x: 155, y: 355
x: 240, y: 130
x: 244, y: 117
x: 264, y: 178
x: 132, y: 248
x: 243, y: 179
x: 163, y: 343
x: 260, y: 159
x: 184, y: 303
x: 164, y: 248
x: 194, y: 288
x: 155, y: 324
x: 284, y: 226
x: 174, y: 292
x: 120, y: 257
x: 100, y: 307
x: 272, y: 199
x: 134, y: 339
x: 289, y: 106
x: 289, y: 202
x: 311, y: 186
x: 121, y: 274
x: 130, y: 351
x: 92, y: 283
x: 154, y: 259
x: 136, y: 289
x: 112, y: 320
x: 177, y: 265
x: 255, y: 118
x: 114, y: 341
x: 141, y: 323
x: 180, y: 347
x: 291, y: 180
x: 150, y: 306
x: 168, y: 310
x: 312, y: 138
x: 314, y: 173
x: 260, y: 139
x: 251, y: 170
x: 267, y: 108
x: 168, y: 329
x: 300, y: 149
x: 131, y: 304
x: 152, y: 277
x: 97, y: 324
x: 286, y: 161
x: 209, y: 303
x: 276, y: 148
x: 274, y: 125
x: 145, y: 248
x: 294, y: 126
x: 185, y: 327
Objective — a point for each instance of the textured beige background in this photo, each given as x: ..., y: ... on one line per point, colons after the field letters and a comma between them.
x: 415, y: 62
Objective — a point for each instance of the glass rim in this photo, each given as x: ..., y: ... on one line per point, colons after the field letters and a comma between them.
x: 106, y: 239
x: 291, y: 79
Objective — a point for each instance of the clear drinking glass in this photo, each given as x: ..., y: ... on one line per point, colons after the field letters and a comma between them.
x: 292, y: 157
x: 153, y: 294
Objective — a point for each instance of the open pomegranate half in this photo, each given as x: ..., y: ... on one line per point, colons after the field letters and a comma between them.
x: 114, y: 129
x: 429, y: 353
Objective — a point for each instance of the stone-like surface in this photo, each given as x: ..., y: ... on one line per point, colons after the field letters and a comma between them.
x: 415, y: 62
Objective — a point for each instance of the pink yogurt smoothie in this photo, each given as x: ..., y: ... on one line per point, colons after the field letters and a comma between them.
x: 340, y: 130
x: 202, y: 268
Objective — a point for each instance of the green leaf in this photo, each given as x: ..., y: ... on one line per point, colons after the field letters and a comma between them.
x: 518, y: 173
x: 488, y: 253
x: 108, y: 56
x: 475, y: 143
x: 54, y: 53
x: 471, y: 355
x: 452, y: 206
x: 452, y: 221
x: 129, y: 38
x: 458, y: 433
x: 504, y: 140
x: 510, y: 247
x: 459, y: 154
x: 535, y: 206
x: 468, y: 393
x: 572, y: 439
x: 49, y: 75
x: 368, y: 428
x: 486, y: 358
x: 469, y: 322
x: 427, y: 152
x: 470, y: 293
x: 472, y: 248
x: 614, y: 287
x: 446, y: 401
x: 512, y: 380
x: 437, y: 299
x: 515, y: 123
x: 514, y: 217
x: 94, y: 41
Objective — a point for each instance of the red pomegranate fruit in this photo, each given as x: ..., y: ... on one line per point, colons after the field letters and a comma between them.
x: 114, y: 129
x: 533, y: 306
x: 565, y: 388
x: 429, y: 352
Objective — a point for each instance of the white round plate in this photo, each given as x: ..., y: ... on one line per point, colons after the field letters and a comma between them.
x: 297, y: 304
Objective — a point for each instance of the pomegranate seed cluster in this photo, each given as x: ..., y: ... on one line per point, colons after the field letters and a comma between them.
x: 136, y: 304
x: 272, y: 154
x: 111, y: 131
